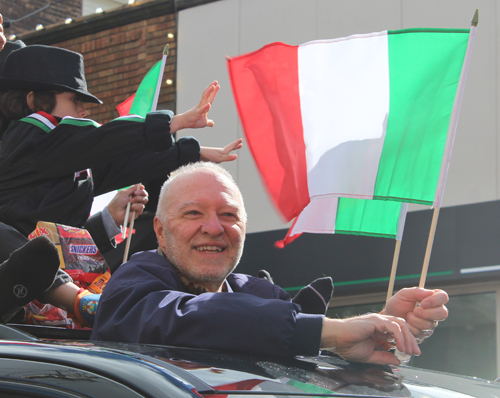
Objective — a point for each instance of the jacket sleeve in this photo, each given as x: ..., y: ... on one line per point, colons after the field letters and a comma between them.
x: 138, y: 308
x: 95, y: 226
x: 145, y: 166
x: 79, y: 144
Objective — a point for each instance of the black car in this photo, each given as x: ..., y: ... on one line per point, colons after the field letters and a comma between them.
x: 51, y: 365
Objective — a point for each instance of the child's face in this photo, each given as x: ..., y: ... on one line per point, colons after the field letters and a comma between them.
x: 69, y: 104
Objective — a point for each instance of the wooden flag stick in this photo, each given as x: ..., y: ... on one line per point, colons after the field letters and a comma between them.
x: 394, y: 268
x: 153, y: 108
x: 449, y: 145
x: 129, y: 238
x: 428, y: 250
x: 127, y: 212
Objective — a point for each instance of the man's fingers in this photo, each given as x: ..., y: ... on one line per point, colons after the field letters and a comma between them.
x: 433, y: 314
x: 404, y: 339
x: 139, y: 199
x: 439, y: 298
x: 136, y: 210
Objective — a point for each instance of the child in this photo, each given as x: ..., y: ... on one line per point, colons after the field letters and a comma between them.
x: 53, y: 161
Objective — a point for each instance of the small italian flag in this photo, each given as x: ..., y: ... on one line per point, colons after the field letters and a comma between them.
x: 143, y: 100
x: 361, y: 117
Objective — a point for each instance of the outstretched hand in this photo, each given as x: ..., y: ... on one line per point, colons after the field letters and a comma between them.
x: 197, y: 117
x: 219, y: 155
x: 136, y: 195
x: 424, y: 317
x: 354, y: 338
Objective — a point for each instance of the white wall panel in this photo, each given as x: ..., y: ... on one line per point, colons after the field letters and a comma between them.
x: 206, y: 35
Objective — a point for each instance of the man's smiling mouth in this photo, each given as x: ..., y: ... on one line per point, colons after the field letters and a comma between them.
x: 209, y: 249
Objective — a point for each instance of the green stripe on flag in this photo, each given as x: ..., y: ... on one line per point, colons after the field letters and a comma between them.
x: 144, y: 96
x: 424, y: 69
x: 368, y: 217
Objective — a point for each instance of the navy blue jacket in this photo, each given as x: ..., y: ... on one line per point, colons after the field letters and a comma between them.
x: 146, y: 302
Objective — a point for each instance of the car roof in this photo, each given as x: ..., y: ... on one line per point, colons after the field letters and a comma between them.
x: 151, y: 370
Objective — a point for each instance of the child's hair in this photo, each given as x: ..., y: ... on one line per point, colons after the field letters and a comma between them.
x: 14, y: 105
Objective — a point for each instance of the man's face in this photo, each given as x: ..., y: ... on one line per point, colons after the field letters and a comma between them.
x: 204, y: 230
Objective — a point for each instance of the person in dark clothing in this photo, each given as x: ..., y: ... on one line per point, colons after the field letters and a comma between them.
x: 53, y: 160
x: 186, y: 294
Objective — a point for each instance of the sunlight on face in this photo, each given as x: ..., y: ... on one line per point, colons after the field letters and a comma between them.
x: 204, y: 230
x: 69, y: 104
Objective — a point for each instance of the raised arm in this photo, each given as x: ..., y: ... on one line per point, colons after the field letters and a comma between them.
x: 196, y: 117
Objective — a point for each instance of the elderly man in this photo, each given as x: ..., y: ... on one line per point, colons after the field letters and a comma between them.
x: 185, y: 293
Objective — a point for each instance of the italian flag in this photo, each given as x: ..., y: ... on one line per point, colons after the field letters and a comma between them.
x: 143, y: 101
x: 362, y: 117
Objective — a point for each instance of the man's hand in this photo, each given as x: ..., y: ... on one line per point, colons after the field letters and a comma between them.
x: 423, y: 318
x: 136, y: 195
x: 196, y: 117
x: 3, y: 40
x: 354, y: 338
x: 219, y: 155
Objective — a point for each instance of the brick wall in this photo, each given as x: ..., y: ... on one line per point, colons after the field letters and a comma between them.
x: 56, y: 13
x: 117, y: 59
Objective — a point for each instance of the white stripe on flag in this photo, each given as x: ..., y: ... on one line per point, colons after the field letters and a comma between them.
x: 312, y: 219
x: 344, y: 119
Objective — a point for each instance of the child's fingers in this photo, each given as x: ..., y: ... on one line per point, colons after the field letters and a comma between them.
x: 208, y: 91
x: 233, y: 145
x: 213, y: 94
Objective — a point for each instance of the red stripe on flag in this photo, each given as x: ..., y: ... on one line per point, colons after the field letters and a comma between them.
x: 124, y: 107
x: 265, y: 86
x: 289, y: 238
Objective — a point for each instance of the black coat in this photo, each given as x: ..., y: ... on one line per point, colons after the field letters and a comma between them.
x: 51, y: 169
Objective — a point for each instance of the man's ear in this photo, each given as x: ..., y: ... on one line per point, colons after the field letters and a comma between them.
x: 158, y: 226
x: 30, y: 100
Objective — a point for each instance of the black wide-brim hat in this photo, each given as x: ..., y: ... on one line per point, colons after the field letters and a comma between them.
x: 7, y: 49
x: 38, y: 67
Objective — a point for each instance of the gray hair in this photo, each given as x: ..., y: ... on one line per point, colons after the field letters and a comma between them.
x: 189, y: 169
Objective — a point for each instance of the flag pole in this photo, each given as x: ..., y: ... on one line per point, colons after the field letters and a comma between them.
x: 428, y: 250
x: 397, y: 249
x: 449, y: 145
x: 153, y: 108
x: 394, y: 268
